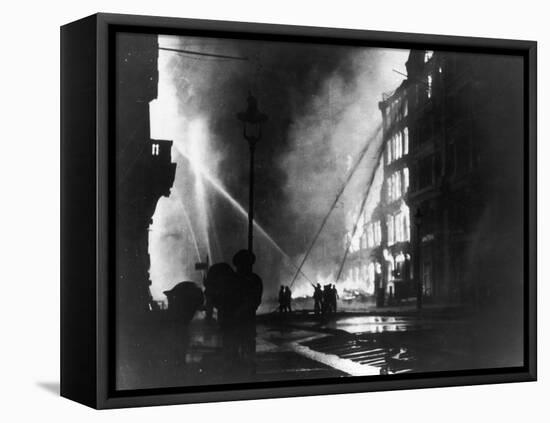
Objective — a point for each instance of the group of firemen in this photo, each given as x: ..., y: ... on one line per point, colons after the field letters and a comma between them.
x: 236, y: 294
x: 325, y: 298
x: 285, y: 299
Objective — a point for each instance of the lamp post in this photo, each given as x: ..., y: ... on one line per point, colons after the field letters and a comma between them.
x: 418, y: 223
x: 252, y: 120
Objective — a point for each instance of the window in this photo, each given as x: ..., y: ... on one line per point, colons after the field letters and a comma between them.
x: 373, y: 234
x: 394, y: 148
x: 399, y: 227
x: 390, y: 270
x: 429, y: 92
x: 428, y: 55
x: 394, y: 186
x: 405, y: 180
x: 391, y: 230
x: 406, y: 225
x: 397, y: 186
x: 155, y: 150
x: 377, y: 233
x: 355, y: 242
x: 370, y: 236
x: 397, y: 146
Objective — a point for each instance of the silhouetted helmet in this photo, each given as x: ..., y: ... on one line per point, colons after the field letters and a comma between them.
x: 244, y: 258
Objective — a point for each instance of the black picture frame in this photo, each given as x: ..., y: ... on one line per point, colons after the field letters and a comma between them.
x: 86, y: 210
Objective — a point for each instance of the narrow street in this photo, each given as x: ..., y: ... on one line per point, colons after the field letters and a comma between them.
x: 362, y: 345
x: 301, y: 345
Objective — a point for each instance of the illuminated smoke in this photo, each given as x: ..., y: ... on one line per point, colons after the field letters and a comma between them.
x: 339, y: 120
x: 322, y: 103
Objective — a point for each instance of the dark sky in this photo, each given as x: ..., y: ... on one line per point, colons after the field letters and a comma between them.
x: 322, y: 106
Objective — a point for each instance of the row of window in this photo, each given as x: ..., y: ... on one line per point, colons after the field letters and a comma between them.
x: 399, y: 227
x: 397, y: 146
x: 396, y: 110
x: 398, y: 267
x: 373, y: 235
x: 370, y: 237
x: 397, y: 184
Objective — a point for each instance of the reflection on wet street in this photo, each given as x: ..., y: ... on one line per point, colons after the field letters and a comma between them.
x: 303, y: 346
x: 378, y: 324
x: 369, y: 345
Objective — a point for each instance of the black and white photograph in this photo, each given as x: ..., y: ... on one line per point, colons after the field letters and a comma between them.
x: 298, y: 211
x: 302, y: 211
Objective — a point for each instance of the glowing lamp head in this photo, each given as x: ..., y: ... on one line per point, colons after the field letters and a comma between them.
x: 252, y: 119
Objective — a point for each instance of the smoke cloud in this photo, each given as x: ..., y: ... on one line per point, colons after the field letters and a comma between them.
x: 322, y: 103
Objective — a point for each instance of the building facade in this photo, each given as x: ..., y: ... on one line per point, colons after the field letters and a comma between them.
x: 450, y: 211
x: 144, y: 169
x: 394, y: 253
x: 465, y: 129
x: 380, y: 253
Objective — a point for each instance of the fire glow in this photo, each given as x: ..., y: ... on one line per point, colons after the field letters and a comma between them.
x: 192, y: 95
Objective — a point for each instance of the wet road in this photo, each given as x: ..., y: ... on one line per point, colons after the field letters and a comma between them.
x: 372, y: 345
x: 303, y: 346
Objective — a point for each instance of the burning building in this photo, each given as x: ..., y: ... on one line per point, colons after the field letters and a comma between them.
x: 452, y: 148
x: 393, y: 254
x: 380, y: 251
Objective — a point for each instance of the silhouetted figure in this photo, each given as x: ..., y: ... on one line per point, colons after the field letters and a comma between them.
x: 327, y: 294
x: 334, y: 299
x: 184, y: 300
x: 222, y: 288
x: 282, y: 299
x: 288, y: 299
x: 317, y: 298
x: 250, y: 296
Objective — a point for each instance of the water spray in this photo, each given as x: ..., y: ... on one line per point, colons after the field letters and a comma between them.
x: 352, y: 171
x: 204, y: 172
x: 362, y: 208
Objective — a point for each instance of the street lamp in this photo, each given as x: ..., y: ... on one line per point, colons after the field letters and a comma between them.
x: 418, y: 223
x: 252, y: 120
